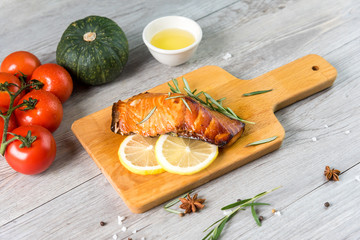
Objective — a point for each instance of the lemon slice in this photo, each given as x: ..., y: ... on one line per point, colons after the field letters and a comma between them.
x: 184, y: 156
x: 136, y: 153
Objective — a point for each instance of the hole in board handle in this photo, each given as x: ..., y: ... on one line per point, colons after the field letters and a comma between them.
x: 315, y: 68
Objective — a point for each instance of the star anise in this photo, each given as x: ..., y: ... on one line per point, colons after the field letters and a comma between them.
x: 191, y: 204
x: 331, y: 174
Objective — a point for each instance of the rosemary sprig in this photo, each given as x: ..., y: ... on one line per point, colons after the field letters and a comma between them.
x: 172, y: 210
x: 148, y: 116
x: 256, y: 218
x: 175, y: 201
x: 209, y: 101
x: 216, y: 231
x: 186, y: 104
x: 244, y: 203
x: 182, y: 98
x: 262, y: 141
x: 256, y: 92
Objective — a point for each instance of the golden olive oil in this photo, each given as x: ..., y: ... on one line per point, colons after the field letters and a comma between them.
x: 172, y: 39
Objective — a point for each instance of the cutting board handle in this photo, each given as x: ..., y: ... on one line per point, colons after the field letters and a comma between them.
x: 294, y: 81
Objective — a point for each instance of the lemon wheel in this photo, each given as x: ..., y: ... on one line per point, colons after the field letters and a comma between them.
x: 136, y: 153
x: 184, y: 156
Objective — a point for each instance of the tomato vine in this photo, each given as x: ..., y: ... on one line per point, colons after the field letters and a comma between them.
x: 29, y: 104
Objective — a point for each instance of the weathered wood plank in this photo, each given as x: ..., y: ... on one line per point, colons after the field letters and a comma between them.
x: 308, y: 218
x: 72, y: 165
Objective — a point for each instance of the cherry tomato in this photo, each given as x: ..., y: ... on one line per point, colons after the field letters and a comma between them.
x: 36, y: 158
x: 12, y: 123
x: 56, y: 80
x: 4, y: 96
x: 48, y: 111
x: 20, y: 61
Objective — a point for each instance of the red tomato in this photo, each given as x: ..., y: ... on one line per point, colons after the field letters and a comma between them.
x: 4, y: 96
x: 36, y: 158
x: 12, y: 123
x: 56, y: 80
x: 20, y: 61
x: 48, y: 111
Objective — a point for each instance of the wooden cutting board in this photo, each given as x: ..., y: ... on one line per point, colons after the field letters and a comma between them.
x: 290, y: 83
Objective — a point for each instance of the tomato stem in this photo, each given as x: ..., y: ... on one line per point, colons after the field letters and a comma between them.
x: 8, y: 142
x: 26, y: 141
x: 22, y: 77
x: 30, y: 104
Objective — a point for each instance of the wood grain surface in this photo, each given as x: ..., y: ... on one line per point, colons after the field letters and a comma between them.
x: 70, y: 199
x: 289, y: 83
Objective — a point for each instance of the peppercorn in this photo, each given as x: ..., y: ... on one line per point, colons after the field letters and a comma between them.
x: 261, y: 218
x: 239, y: 200
x: 327, y: 204
x: 102, y: 223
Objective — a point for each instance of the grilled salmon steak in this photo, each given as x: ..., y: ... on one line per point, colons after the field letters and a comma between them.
x: 172, y: 116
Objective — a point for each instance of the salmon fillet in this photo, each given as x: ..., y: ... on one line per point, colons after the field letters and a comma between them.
x: 172, y: 116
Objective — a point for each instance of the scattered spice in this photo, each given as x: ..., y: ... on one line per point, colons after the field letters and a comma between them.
x: 181, y: 214
x: 273, y: 210
x: 357, y: 178
x: 261, y: 218
x: 129, y: 238
x: 238, y: 200
x: 327, y: 204
x: 102, y: 223
x: 331, y: 174
x: 227, y: 56
x: 121, y: 219
x: 124, y: 229
x: 191, y: 204
x: 227, y: 212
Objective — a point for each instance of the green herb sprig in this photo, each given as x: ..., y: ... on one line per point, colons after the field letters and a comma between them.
x: 256, y: 93
x: 241, y: 205
x: 182, y: 98
x: 209, y: 101
x: 175, y: 201
x: 262, y: 141
x: 147, y: 116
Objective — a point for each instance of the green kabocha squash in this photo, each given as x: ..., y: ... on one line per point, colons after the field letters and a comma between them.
x: 94, y: 50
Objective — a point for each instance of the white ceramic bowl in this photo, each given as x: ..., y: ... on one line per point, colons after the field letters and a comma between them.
x: 172, y: 57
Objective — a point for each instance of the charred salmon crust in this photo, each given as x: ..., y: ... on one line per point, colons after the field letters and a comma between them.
x: 172, y: 116
x: 114, y: 116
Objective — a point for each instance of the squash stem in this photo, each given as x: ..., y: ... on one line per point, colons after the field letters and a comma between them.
x: 89, y: 36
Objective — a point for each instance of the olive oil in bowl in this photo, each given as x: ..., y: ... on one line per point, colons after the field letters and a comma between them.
x: 172, y: 39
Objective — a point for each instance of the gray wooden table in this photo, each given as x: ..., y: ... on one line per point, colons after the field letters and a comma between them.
x: 70, y: 199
